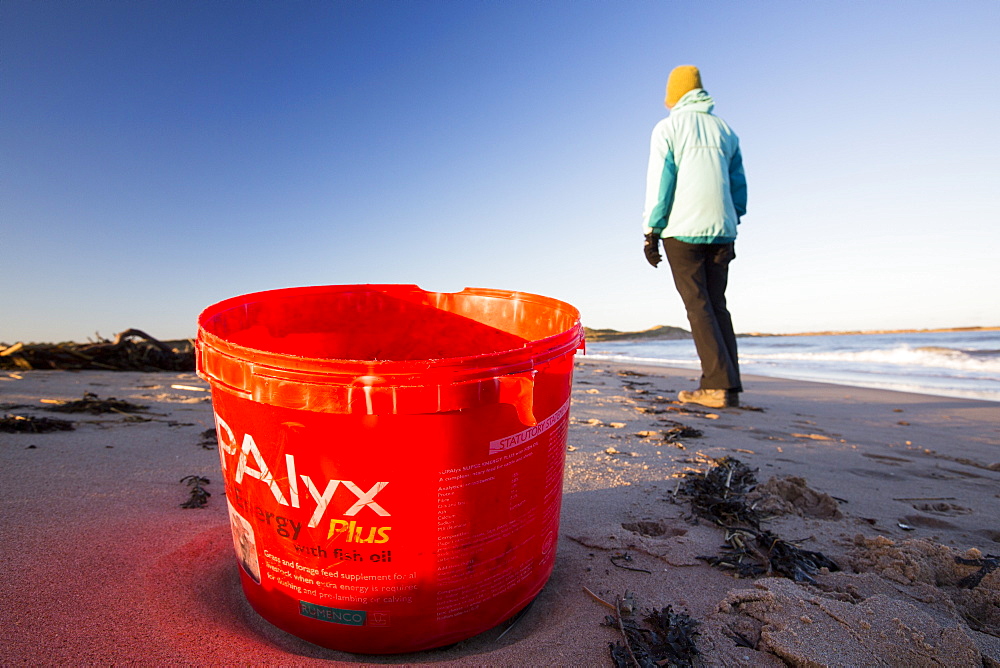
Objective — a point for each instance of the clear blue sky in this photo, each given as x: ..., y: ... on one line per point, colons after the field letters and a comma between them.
x: 157, y: 157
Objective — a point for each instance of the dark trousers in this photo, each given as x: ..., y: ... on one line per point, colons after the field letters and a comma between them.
x: 701, y: 272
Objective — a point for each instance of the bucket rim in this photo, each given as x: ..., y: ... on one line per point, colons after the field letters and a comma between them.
x: 513, y: 360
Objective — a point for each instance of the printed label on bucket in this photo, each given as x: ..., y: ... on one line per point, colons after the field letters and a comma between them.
x: 361, y: 528
x: 501, y: 444
x: 245, y: 544
x: 334, y: 615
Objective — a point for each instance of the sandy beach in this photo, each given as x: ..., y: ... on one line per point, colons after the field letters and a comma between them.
x: 103, y: 566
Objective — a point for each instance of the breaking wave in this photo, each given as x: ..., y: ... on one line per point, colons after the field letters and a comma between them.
x: 946, y: 364
x: 938, y: 357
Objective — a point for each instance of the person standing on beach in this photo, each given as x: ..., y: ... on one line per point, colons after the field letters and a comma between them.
x: 696, y: 193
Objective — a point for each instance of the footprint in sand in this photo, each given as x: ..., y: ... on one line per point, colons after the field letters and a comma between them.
x: 887, y: 459
x: 942, y: 508
x: 653, y: 529
x: 990, y: 534
x: 881, y: 475
x: 928, y: 522
x: 961, y: 474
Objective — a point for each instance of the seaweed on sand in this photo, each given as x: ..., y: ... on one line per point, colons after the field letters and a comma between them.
x: 678, y: 431
x: 208, y: 439
x: 14, y: 424
x: 93, y: 404
x: 752, y: 554
x: 719, y: 496
x: 987, y: 565
x: 199, y: 495
x: 663, y: 638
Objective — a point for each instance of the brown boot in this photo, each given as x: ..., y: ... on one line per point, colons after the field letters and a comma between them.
x: 711, y: 398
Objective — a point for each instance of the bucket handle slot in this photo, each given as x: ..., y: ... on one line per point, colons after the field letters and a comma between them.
x: 518, y: 389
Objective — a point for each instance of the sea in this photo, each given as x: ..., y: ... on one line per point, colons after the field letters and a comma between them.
x: 951, y: 364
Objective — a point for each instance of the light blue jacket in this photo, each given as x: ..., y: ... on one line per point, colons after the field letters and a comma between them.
x: 696, y: 190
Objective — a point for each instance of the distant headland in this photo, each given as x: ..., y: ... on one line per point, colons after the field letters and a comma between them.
x: 665, y: 332
x: 659, y: 332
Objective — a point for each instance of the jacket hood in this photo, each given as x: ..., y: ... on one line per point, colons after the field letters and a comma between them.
x: 695, y: 100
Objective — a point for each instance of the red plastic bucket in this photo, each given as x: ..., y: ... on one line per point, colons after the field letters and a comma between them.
x: 393, y: 458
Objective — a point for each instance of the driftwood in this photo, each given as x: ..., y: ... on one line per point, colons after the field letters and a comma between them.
x: 131, y: 350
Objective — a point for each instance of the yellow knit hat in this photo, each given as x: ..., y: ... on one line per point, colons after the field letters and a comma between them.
x: 682, y: 79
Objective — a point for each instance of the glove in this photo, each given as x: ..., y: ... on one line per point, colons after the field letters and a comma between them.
x: 653, y: 249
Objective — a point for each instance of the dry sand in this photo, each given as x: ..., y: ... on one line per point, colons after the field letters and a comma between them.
x: 102, y: 566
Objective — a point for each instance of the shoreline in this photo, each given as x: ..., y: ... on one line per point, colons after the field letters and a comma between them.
x: 91, y: 516
x: 694, y: 366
